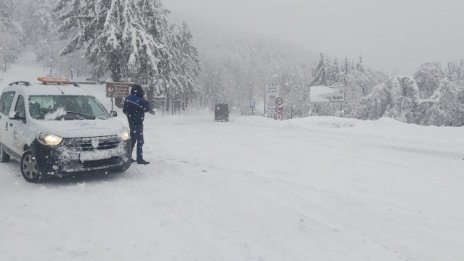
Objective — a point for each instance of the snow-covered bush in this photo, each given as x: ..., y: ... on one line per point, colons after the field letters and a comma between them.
x: 445, y: 107
x: 428, y: 78
x: 431, y: 99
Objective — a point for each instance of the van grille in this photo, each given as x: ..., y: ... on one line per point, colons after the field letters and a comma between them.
x: 87, y: 144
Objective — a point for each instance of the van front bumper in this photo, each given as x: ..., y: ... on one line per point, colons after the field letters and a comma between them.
x: 73, y: 156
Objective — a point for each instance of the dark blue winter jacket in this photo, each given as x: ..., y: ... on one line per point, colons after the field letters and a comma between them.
x: 135, y: 106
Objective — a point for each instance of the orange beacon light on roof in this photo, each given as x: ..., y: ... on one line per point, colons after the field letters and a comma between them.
x: 53, y: 80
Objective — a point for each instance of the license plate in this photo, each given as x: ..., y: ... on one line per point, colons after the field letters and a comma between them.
x: 95, y: 155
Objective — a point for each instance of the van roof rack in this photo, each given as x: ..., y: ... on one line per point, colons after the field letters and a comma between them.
x: 20, y: 83
x: 75, y: 84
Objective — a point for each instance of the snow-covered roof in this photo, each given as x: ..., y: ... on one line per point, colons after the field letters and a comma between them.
x: 42, y: 89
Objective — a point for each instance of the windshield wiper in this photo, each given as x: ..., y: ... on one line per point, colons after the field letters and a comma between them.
x: 85, y: 116
x: 102, y: 116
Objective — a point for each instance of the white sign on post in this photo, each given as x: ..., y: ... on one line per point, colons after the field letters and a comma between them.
x: 272, y: 93
x: 327, y: 94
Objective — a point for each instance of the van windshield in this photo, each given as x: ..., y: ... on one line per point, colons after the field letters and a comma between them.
x: 66, y: 107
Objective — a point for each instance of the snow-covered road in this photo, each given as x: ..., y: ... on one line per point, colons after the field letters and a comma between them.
x: 252, y: 189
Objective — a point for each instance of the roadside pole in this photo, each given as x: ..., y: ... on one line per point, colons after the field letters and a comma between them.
x: 265, y: 102
x: 279, y: 109
x: 252, y: 107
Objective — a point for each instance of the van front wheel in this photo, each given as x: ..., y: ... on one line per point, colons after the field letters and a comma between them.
x: 29, y: 168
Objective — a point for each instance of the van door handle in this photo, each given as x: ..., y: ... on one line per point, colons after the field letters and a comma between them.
x: 11, y: 124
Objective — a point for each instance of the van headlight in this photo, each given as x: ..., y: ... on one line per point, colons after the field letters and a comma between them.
x: 49, y: 139
x: 124, y: 135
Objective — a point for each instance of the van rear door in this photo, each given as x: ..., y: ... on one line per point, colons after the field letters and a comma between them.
x: 6, y: 102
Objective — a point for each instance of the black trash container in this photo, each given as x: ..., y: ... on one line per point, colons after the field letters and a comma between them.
x: 221, y: 112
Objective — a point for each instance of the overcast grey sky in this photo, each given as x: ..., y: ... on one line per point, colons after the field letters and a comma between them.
x: 392, y: 35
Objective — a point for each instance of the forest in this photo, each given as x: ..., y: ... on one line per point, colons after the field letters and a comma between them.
x: 201, y: 64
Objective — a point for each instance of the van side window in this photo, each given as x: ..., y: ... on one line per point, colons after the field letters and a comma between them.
x: 20, y: 106
x: 6, y: 101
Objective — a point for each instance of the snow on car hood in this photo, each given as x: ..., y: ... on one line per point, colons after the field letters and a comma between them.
x: 81, y: 128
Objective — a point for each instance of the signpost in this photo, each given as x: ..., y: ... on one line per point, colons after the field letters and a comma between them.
x: 177, y: 106
x: 252, y: 107
x: 279, y: 109
x: 272, y: 93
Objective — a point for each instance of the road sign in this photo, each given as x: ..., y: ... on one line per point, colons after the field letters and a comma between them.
x: 252, y: 105
x: 272, y: 92
x: 118, y: 89
x: 279, y: 101
x: 279, y: 112
x: 160, y: 102
x: 327, y: 94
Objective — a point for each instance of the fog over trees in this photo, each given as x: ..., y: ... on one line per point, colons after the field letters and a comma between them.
x: 138, y: 41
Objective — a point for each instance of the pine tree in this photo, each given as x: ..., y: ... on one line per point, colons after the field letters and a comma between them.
x: 360, y: 66
x: 44, y: 19
x: 322, y: 72
x: 335, y: 71
x: 189, y: 58
x: 180, y: 65
x: 111, y: 32
x: 346, y: 71
x: 131, y: 39
x: 11, y: 33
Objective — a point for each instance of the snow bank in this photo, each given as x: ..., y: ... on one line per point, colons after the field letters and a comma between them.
x: 385, y: 132
x: 384, y: 127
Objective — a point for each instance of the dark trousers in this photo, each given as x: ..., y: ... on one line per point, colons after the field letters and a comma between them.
x: 136, y: 133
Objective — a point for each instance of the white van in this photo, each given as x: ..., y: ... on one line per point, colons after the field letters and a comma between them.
x: 57, y: 128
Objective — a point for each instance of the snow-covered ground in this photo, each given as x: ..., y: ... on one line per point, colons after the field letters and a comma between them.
x: 252, y: 189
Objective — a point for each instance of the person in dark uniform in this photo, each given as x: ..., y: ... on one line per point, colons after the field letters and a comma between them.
x: 135, y: 107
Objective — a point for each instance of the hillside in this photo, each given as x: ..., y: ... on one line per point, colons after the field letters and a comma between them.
x: 237, y: 65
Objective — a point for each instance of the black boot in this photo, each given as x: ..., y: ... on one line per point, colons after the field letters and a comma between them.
x: 142, y: 162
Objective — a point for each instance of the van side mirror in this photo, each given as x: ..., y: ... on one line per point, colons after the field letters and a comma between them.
x: 114, y: 114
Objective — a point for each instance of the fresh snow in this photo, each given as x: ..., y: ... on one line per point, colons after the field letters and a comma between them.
x: 26, y: 69
x: 319, y: 188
